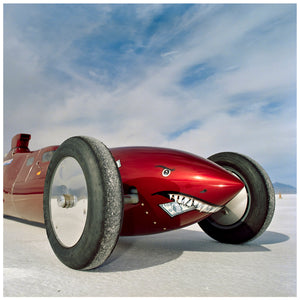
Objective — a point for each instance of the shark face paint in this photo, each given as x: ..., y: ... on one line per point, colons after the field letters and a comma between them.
x: 183, y: 203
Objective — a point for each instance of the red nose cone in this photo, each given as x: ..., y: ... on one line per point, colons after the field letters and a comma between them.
x: 222, y: 186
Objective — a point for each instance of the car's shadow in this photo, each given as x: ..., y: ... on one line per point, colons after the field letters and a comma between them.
x: 140, y: 252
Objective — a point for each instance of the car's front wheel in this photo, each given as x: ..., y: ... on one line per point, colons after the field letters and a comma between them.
x: 83, y: 203
x: 250, y: 212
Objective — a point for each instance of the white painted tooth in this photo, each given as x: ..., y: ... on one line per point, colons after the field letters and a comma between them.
x: 180, y: 199
x: 190, y: 203
x: 200, y: 206
x: 211, y: 209
x: 195, y: 203
x: 206, y: 208
x: 215, y: 209
x: 170, y: 196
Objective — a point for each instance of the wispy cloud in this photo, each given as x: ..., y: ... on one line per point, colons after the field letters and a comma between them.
x: 203, y: 78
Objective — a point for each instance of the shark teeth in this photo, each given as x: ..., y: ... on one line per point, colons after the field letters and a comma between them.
x: 194, y: 203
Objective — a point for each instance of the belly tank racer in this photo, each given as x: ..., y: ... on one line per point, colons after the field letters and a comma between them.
x: 88, y: 195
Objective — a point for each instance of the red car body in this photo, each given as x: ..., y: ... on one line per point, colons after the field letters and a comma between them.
x: 163, y: 189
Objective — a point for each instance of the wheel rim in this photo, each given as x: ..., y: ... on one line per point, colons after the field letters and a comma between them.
x: 68, y: 202
x: 236, y: 210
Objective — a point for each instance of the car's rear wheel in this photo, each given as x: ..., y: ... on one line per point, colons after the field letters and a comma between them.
x: 250, y: 212
x: 83, y: 203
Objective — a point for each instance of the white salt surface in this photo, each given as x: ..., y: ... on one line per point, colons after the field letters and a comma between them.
x: 184, y: 262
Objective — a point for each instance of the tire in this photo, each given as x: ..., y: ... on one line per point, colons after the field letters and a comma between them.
x: 248, y: 214
x: 83, y: 203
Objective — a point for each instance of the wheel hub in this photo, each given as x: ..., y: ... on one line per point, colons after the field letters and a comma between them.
x: 236, y: 209
x: 68, y: 202
x: 233, y: 211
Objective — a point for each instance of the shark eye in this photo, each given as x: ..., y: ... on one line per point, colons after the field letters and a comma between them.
x: 166, y: 172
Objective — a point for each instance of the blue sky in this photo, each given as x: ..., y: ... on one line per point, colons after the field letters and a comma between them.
x: 202, y: 78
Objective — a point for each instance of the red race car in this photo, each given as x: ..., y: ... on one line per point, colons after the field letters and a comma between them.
x: 87, y: 195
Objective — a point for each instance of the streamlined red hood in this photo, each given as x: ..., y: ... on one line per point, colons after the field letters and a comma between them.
x: 171, y: 185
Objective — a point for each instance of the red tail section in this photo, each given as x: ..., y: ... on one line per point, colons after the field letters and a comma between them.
x: 20, y: 142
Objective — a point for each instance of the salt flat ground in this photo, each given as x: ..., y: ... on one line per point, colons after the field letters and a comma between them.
x: 184, y: 262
